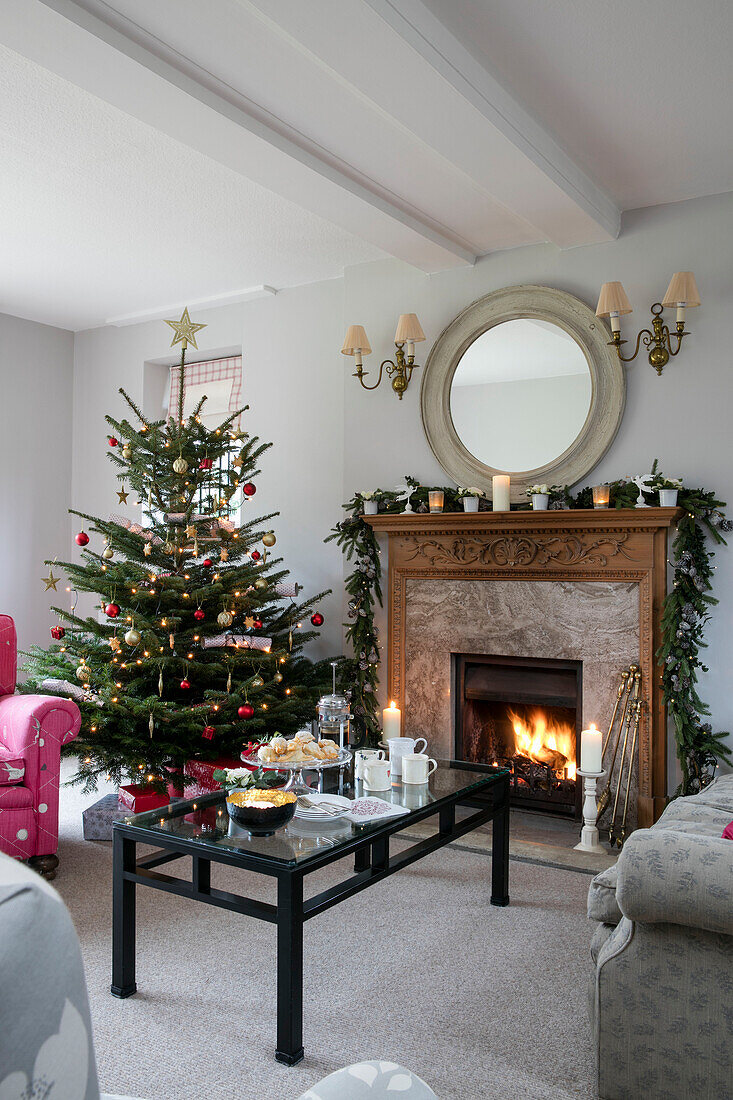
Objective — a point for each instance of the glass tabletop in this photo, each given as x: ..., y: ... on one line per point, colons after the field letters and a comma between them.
x: 205, y: 820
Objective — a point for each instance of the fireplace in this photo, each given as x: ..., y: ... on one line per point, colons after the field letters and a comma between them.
x: 524, y: 714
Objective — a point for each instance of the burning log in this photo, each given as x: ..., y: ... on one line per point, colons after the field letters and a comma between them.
x: 552, y: 758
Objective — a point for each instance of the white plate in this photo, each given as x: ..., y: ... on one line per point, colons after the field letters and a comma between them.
x: 315, y: 815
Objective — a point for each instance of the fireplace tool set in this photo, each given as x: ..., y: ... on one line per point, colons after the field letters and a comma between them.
x: 629, y: 691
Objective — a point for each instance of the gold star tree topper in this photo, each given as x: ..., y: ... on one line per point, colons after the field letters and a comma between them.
x: 185, y: 330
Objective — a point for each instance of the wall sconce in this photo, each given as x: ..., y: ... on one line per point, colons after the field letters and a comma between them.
x: 682, y: 292
x: 409, y: 331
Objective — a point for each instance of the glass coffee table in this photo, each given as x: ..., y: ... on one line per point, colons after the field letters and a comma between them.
x: 201, y: 828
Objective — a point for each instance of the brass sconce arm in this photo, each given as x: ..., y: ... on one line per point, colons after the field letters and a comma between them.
x: 402, y: 370
x: 657, y: 342
x: 660, y: 343
x: 409, y: 332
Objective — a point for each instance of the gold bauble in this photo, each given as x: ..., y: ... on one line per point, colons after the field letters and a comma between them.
x: 169, y: 548
x: 133, y: 636
x: 269, y: 538
x: 180, y: 465
x: 127, y: 451
x: 108, y: 553
x: 224, y: 618
x: 83, y: 673
x: 258, y: 682
x: 278, y: 677
x: 260, y: 583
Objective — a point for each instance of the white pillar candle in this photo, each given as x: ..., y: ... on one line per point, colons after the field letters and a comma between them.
x: 591, y: 750
x: 392, y: 721
x: 500, y: 494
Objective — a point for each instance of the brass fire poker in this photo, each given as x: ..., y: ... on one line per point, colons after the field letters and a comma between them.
x: 622, y: 835
x: 624, y: 677
x: 627, y: 681
x: 612, y: 838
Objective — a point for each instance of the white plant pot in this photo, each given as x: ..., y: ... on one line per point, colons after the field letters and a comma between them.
x: 371, y: 507
x: 540, y: 501
x: 470, y: 504
x: 668, y: 498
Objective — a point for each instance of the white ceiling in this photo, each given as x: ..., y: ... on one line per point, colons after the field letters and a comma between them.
x: 640, y: 94
x: 102, y: 215
x: 179, y: 152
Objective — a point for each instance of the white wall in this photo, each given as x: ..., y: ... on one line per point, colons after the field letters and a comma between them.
x: 36, y: 379
x: 296, y: 402
x: 682, y: 418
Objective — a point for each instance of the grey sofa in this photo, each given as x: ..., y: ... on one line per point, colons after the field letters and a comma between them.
x: 662, y: 987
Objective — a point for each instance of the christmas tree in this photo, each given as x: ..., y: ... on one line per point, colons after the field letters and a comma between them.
x: 197, y: 647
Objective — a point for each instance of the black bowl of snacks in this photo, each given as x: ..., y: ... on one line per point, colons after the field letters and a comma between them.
x: 261, y: 812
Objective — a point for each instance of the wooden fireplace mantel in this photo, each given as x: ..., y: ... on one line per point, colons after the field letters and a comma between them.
x: 627, y: 544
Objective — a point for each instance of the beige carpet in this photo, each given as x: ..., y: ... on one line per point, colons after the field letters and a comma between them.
x: 482, y: 1002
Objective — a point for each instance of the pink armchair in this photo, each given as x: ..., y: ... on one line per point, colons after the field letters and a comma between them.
x: 32, y: 730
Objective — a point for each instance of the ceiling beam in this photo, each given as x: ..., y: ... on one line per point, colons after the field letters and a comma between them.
x: 100, y: 20
x: 425, y: 34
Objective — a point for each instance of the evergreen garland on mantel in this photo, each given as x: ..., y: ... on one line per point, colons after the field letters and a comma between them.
x: 686, y: 610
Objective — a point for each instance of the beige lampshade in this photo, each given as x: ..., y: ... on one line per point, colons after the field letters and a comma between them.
x: 612, y: 299
x: 408, y: 328
x: 356, y: 340
x: 682, y: 288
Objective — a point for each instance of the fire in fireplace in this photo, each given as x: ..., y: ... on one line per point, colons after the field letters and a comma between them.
x: 524, y: 714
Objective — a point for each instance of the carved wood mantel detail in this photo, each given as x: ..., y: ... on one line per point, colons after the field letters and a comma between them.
x: 517, y: 550
x: 605, y: 545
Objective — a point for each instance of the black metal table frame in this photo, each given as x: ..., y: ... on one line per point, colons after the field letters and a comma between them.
x: 372, y: 862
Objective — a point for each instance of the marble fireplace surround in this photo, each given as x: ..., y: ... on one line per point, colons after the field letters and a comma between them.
x: 587, y: 585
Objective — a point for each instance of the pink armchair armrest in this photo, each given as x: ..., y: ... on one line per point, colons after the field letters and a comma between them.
x: 35, y: 727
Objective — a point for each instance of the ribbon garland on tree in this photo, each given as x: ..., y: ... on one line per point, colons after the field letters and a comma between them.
x: 685, y: 613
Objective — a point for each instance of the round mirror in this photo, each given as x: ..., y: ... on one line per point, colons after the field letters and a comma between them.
x: 522, y: 382
x: 520, y: 394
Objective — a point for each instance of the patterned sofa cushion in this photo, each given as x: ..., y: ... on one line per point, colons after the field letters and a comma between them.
x: 12, y: 798
x: 370, y: 1081
x: 602, y: 904
x: 719, y: 794
x: 12, y: 769
x: 698, y: 816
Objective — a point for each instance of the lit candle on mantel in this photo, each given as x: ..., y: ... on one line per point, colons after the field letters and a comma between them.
x: 500, y: 484
x: 392, y: 721
x: 591, y: 750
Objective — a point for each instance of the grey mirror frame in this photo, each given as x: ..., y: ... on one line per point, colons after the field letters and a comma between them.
x: 608, y: 382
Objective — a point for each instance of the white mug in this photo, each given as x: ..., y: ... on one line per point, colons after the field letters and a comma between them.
x: 376, y: 775
x: 398, y: 747
x: 362, y: 757
x: 416, y: 767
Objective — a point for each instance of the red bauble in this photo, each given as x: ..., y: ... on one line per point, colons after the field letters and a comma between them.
x: 82, y: 538
x: 255, y: 555
x: 208, y: 732
x: 317, y: 619
x: 57, y: 632
x: 207, y: 562
x: 185, y: 685
x: 112, y: 609
x: 205, y: 464
x: 249, y: 489
x: 112, y: 441
x: 246, y: 711
x: 257, y: 624
x: 199, y: 615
